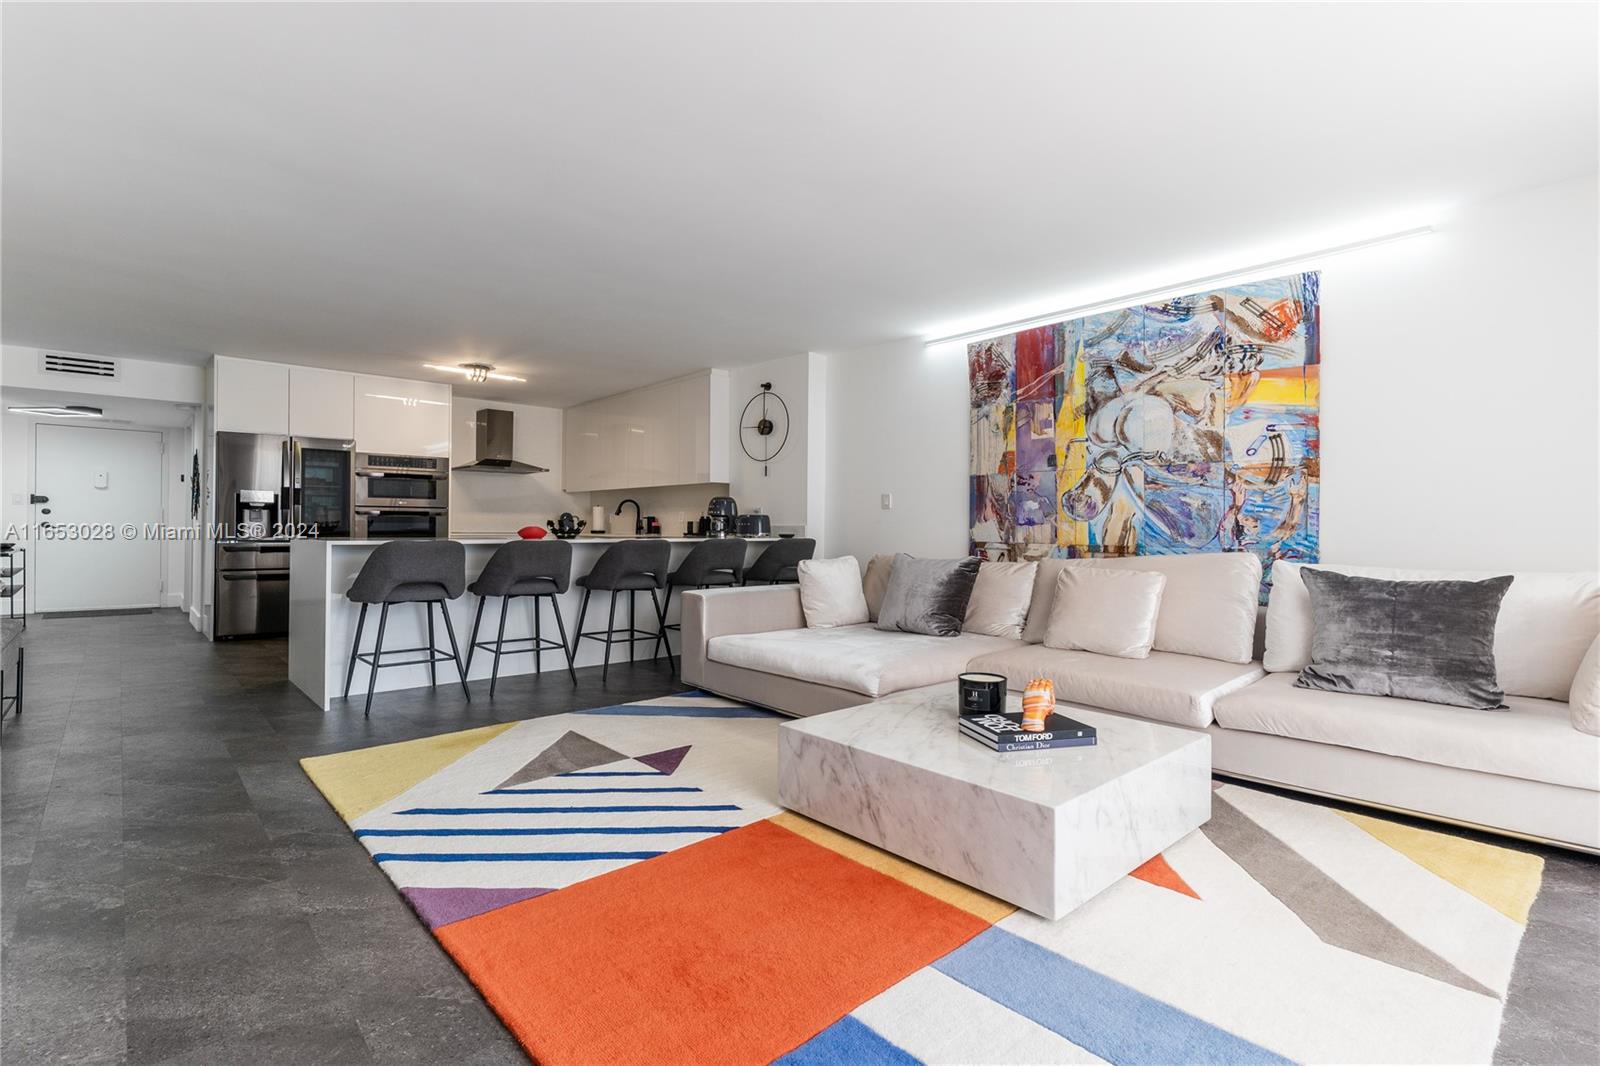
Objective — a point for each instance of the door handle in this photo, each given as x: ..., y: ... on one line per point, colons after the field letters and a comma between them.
x: 36, y: 498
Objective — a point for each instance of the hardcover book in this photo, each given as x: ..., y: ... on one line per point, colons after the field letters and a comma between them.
x: 1005, y: 732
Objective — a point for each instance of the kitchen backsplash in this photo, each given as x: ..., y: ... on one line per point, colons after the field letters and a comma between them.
x: 674, y: 505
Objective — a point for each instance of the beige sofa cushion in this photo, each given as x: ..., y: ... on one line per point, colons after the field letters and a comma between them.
x: 1168, y: 688
x: 1109, y: 611
x: 1546, y: 623
x: 863, y: 658
x: 875, y: 582
x: 1532, y: 740
x: 1000, y: 598
x: 1584, y: 701
x: 1208, y: 607
x: 830, y: 592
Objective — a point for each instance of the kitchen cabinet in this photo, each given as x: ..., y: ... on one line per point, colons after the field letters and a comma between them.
x: 321, y: 403
x: 250, y: 396
x: 399, y: 417
x: 674, y: 433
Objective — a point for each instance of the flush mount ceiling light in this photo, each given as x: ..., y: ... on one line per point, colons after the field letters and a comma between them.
x: 70, y: 410
x: 475, y: 372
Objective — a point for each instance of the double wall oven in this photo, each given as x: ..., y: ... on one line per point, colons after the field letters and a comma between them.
x: 402, y: 496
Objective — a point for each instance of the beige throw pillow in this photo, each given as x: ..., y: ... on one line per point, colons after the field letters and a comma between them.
x: 830, y: 592
x: 875, y: 583
x: 1112, y: 612
x: 999, y: 604
x: 1583, y: 703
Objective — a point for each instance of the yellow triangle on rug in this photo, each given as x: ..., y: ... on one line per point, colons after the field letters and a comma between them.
x: 356, y: 782
x: 1506, y: 880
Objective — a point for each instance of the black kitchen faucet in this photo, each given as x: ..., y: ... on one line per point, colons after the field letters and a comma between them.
x: 638, y: 521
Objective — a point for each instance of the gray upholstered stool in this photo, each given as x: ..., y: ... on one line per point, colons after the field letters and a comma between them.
x: 781, y: 562
x: 633, y: 566
x: 541, y: 569
x: 428, y: 572
x: 711, y: 564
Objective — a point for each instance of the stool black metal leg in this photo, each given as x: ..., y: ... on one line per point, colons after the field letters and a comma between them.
x: 450, y: 631
x: 355, y: 646
x: 538, y: 637
x: 577, y: 634
x: 633, y: 624
x: 611, y: 629
x: 377, y: 653
x: 661, y: 632
x: 661, y: 625
x: 499, y: 642
x: 472, y: 642
x: 433, y: 677
x: 555, y: 605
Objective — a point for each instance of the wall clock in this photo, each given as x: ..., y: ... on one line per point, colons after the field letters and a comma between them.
x: 764, y: 426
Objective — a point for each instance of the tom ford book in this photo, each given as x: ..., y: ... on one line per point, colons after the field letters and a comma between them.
x: 1005, y: 732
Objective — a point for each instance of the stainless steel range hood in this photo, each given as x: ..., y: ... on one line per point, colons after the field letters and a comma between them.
x: 494, y: 436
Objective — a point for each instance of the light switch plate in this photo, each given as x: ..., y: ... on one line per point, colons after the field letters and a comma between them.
x: 887, y: 501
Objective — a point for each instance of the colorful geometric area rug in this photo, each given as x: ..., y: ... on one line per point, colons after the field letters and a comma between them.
x: 622, y: 887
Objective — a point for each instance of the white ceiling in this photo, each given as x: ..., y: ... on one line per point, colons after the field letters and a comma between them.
x: 598, y: 196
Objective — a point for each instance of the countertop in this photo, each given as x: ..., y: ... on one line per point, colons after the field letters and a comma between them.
x: 474, y: 537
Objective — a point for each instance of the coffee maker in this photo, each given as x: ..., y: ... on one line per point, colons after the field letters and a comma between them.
x: 720, y: 515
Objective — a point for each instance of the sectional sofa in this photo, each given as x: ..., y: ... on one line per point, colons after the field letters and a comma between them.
x: 1222, y: 665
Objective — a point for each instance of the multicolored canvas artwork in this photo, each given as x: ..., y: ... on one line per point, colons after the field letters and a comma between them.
x: 1185, y: 426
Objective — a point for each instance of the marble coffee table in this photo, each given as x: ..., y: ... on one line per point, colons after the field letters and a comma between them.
x: 1043, y: 830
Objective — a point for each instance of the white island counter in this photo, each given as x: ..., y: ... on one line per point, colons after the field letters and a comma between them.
x: 322, y: 622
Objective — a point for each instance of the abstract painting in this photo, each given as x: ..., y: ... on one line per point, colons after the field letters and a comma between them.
x: 1189, y: 425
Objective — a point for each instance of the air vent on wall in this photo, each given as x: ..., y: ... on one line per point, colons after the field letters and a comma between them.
x: 89, y: 366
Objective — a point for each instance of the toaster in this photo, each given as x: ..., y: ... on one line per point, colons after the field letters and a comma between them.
x: 753, y: 525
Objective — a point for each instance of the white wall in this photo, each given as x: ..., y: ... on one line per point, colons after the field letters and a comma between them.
x: 791, y: 487
x: 136, y: 378
x: 1459, y: 382
x: 504, y: 503
x: 16, y: 484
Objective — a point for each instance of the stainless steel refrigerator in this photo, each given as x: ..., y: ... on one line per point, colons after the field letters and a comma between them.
x: 270, y: 489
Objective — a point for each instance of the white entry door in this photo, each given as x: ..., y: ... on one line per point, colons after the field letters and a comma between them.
x: 98, y: 484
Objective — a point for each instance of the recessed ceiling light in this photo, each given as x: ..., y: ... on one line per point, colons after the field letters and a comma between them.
x: 475, y: 372
x: 70, y: 410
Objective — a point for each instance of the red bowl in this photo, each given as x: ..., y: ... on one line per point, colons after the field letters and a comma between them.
x: 532, y: 532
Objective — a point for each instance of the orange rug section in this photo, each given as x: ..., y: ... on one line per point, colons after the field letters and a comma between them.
x: 1158, y: 872
x: 736, y: 949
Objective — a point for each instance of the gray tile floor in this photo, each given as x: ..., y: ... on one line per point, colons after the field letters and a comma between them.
x: 174, y: 890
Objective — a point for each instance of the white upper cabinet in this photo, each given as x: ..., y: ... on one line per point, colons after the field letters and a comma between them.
x: 399, y: 417
x: 670, y: 434
x: 321, y: 403
x: 251, y: 397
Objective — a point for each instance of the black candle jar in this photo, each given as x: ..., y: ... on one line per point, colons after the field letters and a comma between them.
x: 981, y: 694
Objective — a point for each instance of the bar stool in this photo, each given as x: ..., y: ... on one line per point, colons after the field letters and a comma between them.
x: 538, y: 568
x: 781, y: 562
x: 428, y: 572
x: 631, y: 566
x: 718, y: 563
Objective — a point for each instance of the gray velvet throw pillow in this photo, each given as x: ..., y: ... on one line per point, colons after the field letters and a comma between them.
x: 1415, y: 640
x: 928, y: 595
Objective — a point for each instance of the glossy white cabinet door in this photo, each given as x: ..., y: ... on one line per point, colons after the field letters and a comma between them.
x: 675, y: 433
x: 400, y: 417
x: 251, y: 397
x: 321, y: 403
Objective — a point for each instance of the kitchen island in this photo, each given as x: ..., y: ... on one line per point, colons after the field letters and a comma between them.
x: 322, y: 622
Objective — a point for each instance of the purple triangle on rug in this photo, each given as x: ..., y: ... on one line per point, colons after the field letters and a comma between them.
x: 441, y: 906
x: 664, y: 761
